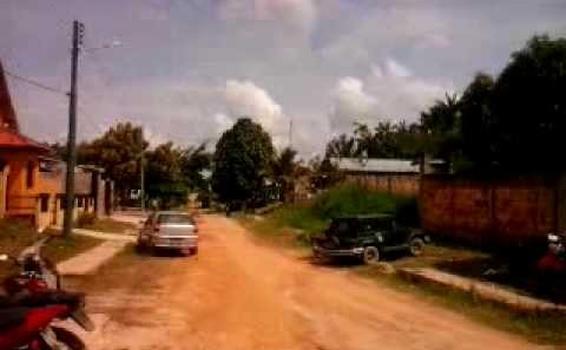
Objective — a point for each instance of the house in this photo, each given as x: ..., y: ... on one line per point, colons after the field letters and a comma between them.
x: 394, y: 176
x: 32, y: 183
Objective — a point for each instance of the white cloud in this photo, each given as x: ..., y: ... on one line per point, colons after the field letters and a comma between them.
x: 396, y: 69
x: 223, y: 122
x: 246, y: 99
x: 350, y: 104
x: 391, y: 91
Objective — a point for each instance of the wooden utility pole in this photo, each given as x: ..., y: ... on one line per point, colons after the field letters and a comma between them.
x: 142, y: 183
x: 78, y: 31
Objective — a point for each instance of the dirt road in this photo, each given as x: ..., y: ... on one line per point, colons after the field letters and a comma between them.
x: 240, y: 295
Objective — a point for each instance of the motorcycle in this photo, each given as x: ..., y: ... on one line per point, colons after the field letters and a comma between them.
x: 554, y: 261
x: 34, y: 301
x: 37, y: 273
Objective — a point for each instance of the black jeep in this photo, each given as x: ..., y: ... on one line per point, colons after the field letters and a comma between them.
x: 367, y: 237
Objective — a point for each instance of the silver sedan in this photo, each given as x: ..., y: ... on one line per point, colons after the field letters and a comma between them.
x: 169, y: 230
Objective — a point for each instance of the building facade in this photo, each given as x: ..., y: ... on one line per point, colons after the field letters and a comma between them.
x: 32, y: 184
x: 393, y: 176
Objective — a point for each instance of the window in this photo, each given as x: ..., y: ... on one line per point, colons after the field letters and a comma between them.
x: 382, y: 224
x: 174, y: 219
x: 62, y: 203
x: 44, y: 202
x: 80, y: 202
x: 29, y: 177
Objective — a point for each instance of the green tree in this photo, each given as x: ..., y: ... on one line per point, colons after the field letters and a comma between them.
x: 118, y: 151
x: 242, y: 162
x: 386, y: 140
x: 284, y: 170
x: 196, y: 161
x: 165, y: 179
x: 343, y: 146
x: 478, y: 136
x: 530, y: 106
x: 440, y: 126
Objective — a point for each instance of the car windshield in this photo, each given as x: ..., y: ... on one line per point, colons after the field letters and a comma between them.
x: 174, y: 219
x: 342, y: 227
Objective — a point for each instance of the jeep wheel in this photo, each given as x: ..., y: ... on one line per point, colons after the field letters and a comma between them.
x: 371, y: 255
x: 416, y: 246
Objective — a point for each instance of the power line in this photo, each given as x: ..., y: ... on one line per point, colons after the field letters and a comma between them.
x: 35, y: 83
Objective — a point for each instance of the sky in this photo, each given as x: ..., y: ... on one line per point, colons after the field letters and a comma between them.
x: 187, y: 69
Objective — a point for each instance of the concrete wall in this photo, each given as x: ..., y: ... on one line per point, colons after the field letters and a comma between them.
x: 397, y: 184
x: 511, y: 211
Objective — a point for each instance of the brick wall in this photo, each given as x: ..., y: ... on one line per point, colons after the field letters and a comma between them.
x: 502, y: 211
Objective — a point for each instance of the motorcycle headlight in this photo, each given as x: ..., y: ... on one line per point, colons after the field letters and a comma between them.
x: 552, y: 238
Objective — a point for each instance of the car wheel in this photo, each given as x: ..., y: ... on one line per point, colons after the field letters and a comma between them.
x: 416, y: 246
x: 370, y: 255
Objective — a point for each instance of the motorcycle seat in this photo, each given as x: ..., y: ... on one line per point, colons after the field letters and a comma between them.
x: 12, y: 316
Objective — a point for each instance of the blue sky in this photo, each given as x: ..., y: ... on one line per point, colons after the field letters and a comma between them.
x: 186, y: 69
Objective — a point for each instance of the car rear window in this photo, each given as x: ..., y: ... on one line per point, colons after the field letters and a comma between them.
x: 174, y: 219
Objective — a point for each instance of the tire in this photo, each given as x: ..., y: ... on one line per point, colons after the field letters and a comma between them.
x: 416, y: 246
x: 64, y: 336
x: 371, y: 255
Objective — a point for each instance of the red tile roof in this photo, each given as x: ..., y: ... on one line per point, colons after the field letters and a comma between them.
x: 13, y: 140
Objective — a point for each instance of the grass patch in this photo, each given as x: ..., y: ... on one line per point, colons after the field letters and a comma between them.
x: 16, y: 235
x: 302, y: 221
x: 538, y: 327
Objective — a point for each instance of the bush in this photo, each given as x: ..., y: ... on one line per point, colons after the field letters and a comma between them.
x: 312, y: 218
x: 350, y: 199
x: 86, y: 219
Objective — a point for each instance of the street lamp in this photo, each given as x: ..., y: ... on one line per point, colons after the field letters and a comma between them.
x: 113, y: 44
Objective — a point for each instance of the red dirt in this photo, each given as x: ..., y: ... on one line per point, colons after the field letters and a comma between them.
x: 240, y: 295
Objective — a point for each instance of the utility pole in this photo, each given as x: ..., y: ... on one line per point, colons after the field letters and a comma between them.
x: 78, y: 31
x: 291, y: 133
x: 142, y: 183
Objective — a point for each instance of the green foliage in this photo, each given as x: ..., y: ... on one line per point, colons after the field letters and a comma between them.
x: 477, y: 118
x: 386, y: 140
x: 118, y: 151
x: 242, y: 162
x: 196, y: 161
x: 284, y: 168
x: 351, y: 200
x: 440, y: 125
x: 530, y: 107
x: 165, y: 181
x: 324, y: 173
x: 311, y: 218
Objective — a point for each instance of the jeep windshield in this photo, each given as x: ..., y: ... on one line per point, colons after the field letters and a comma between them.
x: 342, y: 227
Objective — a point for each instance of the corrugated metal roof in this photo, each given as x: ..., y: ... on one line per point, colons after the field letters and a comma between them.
x: 376, y: 165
